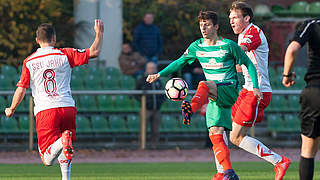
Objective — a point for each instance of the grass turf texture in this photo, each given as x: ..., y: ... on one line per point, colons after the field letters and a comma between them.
x: 145, y: 171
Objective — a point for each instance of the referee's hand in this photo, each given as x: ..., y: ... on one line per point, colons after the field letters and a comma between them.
x: 288, y: 81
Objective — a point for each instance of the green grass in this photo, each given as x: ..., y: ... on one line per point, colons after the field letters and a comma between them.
x: 145, y: 171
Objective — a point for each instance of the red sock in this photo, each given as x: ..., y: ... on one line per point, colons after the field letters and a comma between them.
x: 221, y: 151
x: 201, y: 97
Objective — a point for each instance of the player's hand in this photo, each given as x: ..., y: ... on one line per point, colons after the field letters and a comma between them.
x: 152, y: 78
x: 289, y: 81
x: 98, y: 26
x: 9, y: 112
x: 257, y: 94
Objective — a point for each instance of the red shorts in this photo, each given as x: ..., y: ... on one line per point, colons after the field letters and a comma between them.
x: 52, y: 122
x: 244, y: 109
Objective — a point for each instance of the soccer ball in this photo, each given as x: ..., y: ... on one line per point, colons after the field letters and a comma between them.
x: 176, y: 89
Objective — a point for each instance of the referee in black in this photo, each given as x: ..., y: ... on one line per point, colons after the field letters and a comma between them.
x: 309, y: 32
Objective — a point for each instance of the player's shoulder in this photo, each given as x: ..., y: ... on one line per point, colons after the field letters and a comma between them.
x: 253, y: 29
x: 196, y: 43
x: 71, y: 50
x: 30, y: 57
x: 228, y: 41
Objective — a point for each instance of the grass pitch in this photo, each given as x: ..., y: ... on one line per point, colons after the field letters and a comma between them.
x: 145, y: 171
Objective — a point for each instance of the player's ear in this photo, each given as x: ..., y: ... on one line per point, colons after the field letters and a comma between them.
x: 216, y: 26
x: 37, y: 41
x: 247, y: 19
x: 54, y: 39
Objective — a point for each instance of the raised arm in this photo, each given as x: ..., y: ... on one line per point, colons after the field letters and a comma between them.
x: 17, y: 98
x: 96, y: 46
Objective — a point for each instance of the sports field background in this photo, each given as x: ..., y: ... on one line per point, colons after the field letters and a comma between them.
x: 140, y: 171
x: 175, y: 164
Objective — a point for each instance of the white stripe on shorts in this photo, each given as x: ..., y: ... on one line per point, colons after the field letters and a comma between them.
x: 256, y: 116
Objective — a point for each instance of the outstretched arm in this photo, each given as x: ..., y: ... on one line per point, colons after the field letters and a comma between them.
x: 17, y: 98
x: 97, y: 44
x: 289, y: 59
x: 171, y: 68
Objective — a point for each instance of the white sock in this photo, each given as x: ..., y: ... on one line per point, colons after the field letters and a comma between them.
x: 52, y: 152
x: 65, y: 166
x: 219, y: 166
x: 256, y: 147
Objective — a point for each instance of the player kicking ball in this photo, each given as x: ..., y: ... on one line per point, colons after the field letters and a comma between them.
x: 218, y: 57
x: 247, y: 110
x: 48, y: 71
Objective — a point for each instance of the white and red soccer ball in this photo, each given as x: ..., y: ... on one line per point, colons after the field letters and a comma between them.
x: 176, y: 89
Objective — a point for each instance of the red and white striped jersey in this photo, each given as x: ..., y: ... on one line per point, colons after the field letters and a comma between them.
x: 48, y: 72
x: 254, y: 39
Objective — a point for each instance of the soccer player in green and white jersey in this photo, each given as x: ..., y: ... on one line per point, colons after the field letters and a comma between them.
x: 218, y: 57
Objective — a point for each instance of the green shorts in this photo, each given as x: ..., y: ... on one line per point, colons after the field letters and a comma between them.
x: 219, y: 111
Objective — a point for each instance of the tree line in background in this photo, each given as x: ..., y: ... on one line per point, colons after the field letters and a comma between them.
x: 177, y: 21
x: 20, y: 19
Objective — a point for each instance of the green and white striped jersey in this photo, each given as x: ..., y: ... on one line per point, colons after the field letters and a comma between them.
x: 218, y: 61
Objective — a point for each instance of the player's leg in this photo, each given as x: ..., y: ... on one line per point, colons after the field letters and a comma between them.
x: 68, y: 130
x: 246, y: 112
x: 51, y: 153
x: 48, y: 134
x: 205, y: 89
x: 65, y: 166
x: 68, y: 136
x: 220, y: 171
x: 239, y: 137
x: 219, y: 119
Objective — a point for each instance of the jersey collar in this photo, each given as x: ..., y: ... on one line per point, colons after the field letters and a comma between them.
x: 44, y: 48
x: 246, y: 29
x: 204, y: 44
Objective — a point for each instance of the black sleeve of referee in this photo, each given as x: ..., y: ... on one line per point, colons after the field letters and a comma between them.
x: 303, y: 34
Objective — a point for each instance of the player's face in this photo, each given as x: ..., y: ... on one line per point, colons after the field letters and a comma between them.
x: 208, y: 30
x: 237, y: 21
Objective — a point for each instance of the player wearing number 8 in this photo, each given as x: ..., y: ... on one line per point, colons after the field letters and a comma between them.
x: 47, y: 71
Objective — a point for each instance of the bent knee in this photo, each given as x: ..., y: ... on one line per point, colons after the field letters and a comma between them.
x: 235, y: 139
x: 215, y: 130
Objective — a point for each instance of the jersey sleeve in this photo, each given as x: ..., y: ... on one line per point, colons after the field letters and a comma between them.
x: 188, y: 57
x: 251, y: 39
x: 303, y: 34
x: 76, y: 57
x: 242, y: 58
x: 25, y: 77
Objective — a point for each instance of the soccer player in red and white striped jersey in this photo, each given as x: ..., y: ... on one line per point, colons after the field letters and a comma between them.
x: 48, y: 72
x: 247, y: 111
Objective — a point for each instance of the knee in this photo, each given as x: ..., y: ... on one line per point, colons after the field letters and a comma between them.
x: 215, y: 130
x: 46, y: 163
x: 235, y: 139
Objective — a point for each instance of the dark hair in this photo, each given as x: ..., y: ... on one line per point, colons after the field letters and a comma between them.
x: 244, y: 7
x: 208, y: 15
x: 45, y: 32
